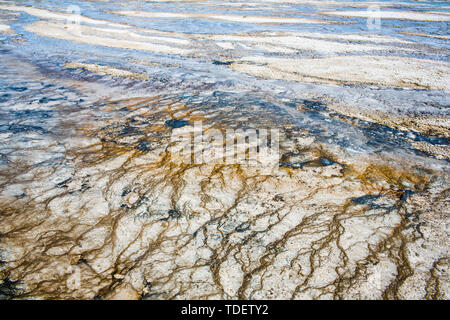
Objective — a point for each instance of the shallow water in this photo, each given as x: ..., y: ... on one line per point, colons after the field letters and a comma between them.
x: 97, y: 202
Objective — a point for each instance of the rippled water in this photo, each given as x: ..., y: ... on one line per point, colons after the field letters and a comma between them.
x: 94, y: 202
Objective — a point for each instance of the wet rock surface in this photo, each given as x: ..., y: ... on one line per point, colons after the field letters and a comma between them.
x: 98, y: 202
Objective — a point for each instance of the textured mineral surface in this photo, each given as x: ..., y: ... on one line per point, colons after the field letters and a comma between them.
x: 348, y: 198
